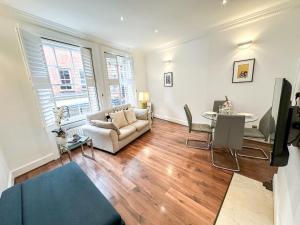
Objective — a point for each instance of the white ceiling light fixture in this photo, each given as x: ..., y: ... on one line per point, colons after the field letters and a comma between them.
x: 245, y: 45
x: 224, y: 2
x: 122, y: 18
x: 155, y: 31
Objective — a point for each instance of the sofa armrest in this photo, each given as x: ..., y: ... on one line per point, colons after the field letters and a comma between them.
x: 149, y: 117
x: 106, y: 139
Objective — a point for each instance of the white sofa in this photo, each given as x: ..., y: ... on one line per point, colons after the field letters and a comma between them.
x: 108, y: 139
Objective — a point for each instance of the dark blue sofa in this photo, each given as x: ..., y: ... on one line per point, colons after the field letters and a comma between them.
x: 64, y: 196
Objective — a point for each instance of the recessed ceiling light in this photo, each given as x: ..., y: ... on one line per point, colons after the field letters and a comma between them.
x: 122, y: 18
x: 224, y: 2
x: 155, y: 31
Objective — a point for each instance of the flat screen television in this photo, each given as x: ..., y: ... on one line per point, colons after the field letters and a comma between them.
x: 280, y: 122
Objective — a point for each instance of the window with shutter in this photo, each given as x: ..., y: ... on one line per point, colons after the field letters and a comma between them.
x: 119, y: 79
x: 35, y: 60
x: 62, y: 75
x: 90, y: 78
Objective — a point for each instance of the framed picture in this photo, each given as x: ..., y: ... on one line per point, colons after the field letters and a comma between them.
x: 168, y: 79
x: 243, y: 71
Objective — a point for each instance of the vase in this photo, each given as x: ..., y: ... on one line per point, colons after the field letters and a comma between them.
x: 61, y: 140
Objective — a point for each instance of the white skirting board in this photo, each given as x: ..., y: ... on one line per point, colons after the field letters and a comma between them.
x: 170, y: 119
x: 28, y: 167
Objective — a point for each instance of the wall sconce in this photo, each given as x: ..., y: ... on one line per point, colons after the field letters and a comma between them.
x: 245, y: 45
x: 167, y: 62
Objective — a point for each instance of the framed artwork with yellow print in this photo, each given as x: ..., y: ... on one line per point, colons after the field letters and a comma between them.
x: 243, y: 71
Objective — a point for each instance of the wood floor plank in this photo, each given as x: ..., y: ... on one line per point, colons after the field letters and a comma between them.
x: 205, y: 215
x: 157, y: 180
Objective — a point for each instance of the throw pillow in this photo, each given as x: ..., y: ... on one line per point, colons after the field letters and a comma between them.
x: 130, y: 116
x: 141, y: 114
x: 106, y: 125
x: 118, y: 118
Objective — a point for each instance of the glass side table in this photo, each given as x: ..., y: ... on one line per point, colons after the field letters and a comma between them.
x: 67, y: 147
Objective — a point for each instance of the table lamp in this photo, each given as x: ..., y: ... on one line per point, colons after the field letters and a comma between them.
x: 143, y: 99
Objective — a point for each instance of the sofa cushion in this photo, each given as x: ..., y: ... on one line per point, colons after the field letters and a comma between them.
x: 140, y: 124
x: 119, y: 119
x: 121, y: 107
x: 11, y: 206
x: 101, y: 115
x: 126, y: 131
x: 105, y: 125
x: 141, y: 114
x: 98, y: 115
x: 64, y: 196
x: 130, y: 116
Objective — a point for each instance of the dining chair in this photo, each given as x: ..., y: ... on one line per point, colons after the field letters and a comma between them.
x: 197, y: 127
x: 263, y: 133
x: 217, y: 104
x: 228, y: 135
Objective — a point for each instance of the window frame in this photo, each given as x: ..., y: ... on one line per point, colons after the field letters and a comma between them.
x: 34, y: 35
x: 54, y: 44
x: 117, y: 81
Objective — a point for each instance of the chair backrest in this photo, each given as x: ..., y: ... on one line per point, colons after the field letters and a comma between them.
x: 229, y: 131
x: 216, y: 105
x: 188, y: 116
x: 265, y: 125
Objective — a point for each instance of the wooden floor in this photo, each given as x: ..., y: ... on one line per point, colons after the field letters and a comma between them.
x: 158, y: 180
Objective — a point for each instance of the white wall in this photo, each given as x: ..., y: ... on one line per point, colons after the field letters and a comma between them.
x: 21, y: 135
x: 203, y: 68
x: 286, y: 190
x: 4, y: 172
x: 287, y: 185
x: 140, y: 72
x: 189, y: 65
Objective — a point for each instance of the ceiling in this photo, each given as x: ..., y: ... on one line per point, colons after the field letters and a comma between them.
x: 174, y: 19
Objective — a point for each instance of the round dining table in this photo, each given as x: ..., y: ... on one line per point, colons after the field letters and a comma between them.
x: 214, y: 115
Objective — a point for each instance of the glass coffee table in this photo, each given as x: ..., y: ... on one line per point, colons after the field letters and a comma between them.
x: 67, y: 147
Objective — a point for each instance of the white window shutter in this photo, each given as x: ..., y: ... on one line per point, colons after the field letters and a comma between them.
x: 36, y: 64
x: 126, y: 78
x: 111, y: 78
x: 90, y: 78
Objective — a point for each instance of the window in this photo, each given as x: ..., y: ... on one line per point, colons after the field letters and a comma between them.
x: 65, y: 79
x: 82, y: 80
x: 69, y: 84
x: 62, y: 75
x: 119, y: 79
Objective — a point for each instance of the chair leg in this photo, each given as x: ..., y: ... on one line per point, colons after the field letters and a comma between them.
x: 234, y: 154
x: 206, y: 146
x: 265, y: 157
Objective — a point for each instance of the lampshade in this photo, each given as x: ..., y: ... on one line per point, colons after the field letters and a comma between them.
x: 143, y: 96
